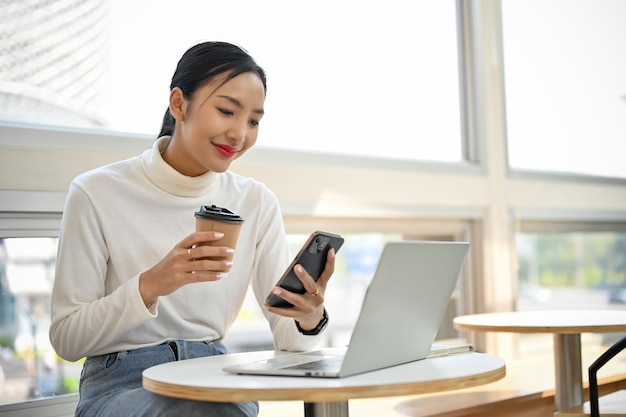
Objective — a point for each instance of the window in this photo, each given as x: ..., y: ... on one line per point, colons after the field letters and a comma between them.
x: 30, y: 367
x: 343, y: 77
x: 479, y: 199
x: 565, y: 90
x: 567, y: 270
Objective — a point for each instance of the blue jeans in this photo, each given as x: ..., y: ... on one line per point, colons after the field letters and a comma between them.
x: 110, y: 385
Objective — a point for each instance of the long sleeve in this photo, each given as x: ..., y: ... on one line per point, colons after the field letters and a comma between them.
x: 122, y: 219
x: 271, y: 261
x: 85, y: 318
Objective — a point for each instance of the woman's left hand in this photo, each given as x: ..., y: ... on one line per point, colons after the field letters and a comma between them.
x: 308, y: 308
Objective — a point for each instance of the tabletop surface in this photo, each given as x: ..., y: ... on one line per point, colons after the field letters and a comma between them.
x: 204, y: 379
x: 553, y: 321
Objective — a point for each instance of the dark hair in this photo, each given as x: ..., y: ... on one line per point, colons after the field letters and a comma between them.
x: 201, y: 64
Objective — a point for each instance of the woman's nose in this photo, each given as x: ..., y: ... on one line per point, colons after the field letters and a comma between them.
x: 237, y: 132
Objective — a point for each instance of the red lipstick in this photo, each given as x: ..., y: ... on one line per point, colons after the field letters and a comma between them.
x: 225, y: 150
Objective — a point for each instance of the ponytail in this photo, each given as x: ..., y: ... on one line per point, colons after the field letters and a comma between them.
x: 167, y: 129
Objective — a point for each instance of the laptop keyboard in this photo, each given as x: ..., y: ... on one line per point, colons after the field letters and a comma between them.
x: 333, y: 362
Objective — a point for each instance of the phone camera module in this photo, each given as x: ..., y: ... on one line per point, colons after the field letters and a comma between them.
x: 318, y: 244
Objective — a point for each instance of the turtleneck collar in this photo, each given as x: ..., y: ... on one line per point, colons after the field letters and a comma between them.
x: 168, y: 179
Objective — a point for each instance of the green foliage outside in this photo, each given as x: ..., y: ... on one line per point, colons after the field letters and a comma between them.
x: 583, y: 260
x: 70, y: 385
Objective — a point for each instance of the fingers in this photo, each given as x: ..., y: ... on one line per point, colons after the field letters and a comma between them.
x: 206, y: 259
x: 303, y: 304
x: 191, y: 260
x: 200, y: 237
x: 201, y: 262
x: 199, y: 253
x: 208, y: 252
x: 203, y: 276
x: 329, y: 268
x: 196, y: 266
x: 312, y: 286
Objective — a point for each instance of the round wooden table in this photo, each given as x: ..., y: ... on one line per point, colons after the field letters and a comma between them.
x: 566, y: 325
x: 203, y: 379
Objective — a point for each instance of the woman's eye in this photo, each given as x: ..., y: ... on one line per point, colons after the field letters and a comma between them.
x: 254, y: 123
x: 226, y: 112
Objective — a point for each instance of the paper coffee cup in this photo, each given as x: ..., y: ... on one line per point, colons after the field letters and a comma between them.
x: 219, y: 219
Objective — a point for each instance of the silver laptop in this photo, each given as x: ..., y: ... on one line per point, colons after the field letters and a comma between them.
x: 400, y: 316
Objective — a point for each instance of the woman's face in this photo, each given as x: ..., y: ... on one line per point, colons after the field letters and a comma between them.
x: 217, y: 126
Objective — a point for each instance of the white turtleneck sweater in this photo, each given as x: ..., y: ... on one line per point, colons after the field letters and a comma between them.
x: 122, y: 219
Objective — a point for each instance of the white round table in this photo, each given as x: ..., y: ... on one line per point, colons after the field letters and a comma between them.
x: 566, y: 325
x: 203, y: 379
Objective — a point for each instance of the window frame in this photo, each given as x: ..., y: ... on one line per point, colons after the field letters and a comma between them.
x: 484, y: 194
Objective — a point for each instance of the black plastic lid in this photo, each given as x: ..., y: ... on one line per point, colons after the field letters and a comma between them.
x: 221, y: 214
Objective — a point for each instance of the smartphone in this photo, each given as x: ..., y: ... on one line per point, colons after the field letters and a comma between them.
x: 312, y: 257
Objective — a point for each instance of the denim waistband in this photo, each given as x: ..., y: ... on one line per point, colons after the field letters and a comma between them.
x: 174, y: 346
x: 186, y: 349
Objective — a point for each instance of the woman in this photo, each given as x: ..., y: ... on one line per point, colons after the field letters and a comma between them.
x: 127, y: 296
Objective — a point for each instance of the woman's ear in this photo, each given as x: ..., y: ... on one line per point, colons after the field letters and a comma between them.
x: 178, y: 104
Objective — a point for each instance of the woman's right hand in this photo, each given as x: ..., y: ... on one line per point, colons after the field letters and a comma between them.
x: 191, y: 260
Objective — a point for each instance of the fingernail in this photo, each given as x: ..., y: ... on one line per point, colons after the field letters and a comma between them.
x: 230, y: 251
x: 228, y: 264
x: 276, y: 290
x: 219, y: 235
x: 298, y: 268
x: 218, y: 276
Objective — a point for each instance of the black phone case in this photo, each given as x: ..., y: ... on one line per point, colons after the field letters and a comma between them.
x: 312, y: 257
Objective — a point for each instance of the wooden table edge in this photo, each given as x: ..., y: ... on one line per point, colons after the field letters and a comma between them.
x: 511, y: 328
x: 330, y: 394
